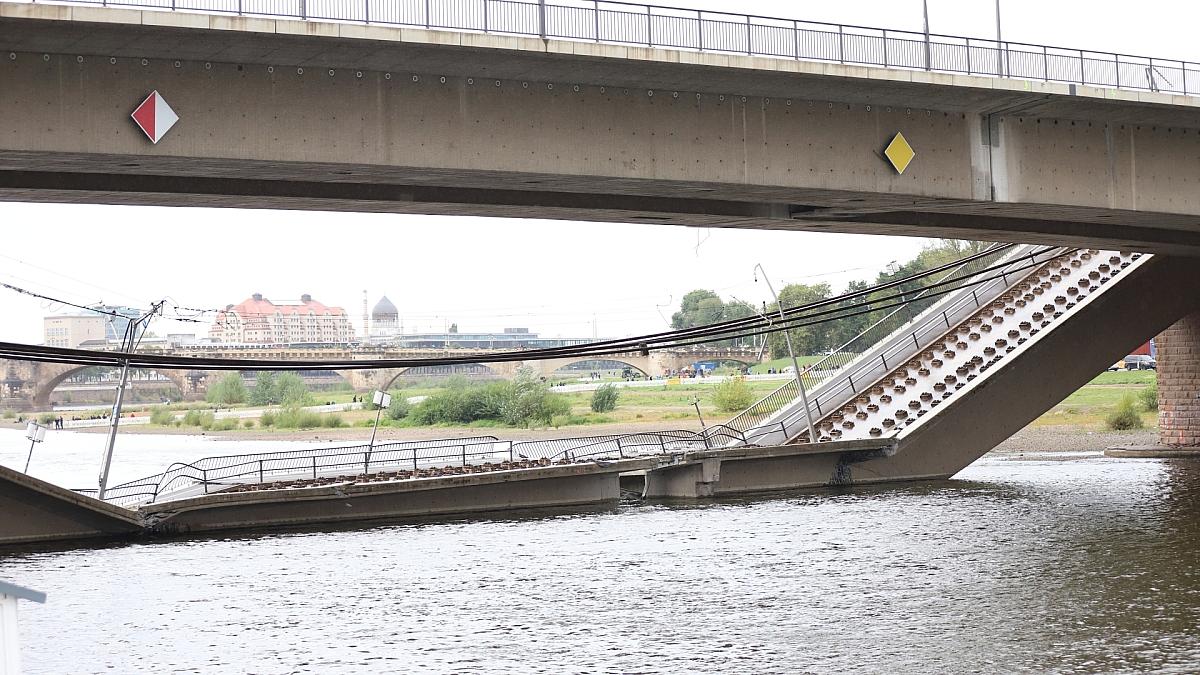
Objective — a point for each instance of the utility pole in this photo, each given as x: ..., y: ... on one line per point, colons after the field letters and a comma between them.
x: 128, y: 344
x: 812, y: 436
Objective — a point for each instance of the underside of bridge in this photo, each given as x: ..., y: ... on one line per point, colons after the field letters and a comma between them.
x: 309, y: 115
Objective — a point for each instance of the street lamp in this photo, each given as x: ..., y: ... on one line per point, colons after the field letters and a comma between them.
x: 36, y: 433
x: 925, y: 7
x: 999, y: 43
x: 812, y: 436
x: 381, y: 399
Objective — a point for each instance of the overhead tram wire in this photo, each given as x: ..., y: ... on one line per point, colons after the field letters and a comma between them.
x: 662, y: 341
x: 702, y: 334
x: 733, y: 327
x: 199, y: 311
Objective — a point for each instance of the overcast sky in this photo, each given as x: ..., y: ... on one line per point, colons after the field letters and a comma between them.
x: 558, y: 278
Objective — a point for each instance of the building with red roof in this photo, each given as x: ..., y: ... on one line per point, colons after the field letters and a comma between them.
x: 257, y: 320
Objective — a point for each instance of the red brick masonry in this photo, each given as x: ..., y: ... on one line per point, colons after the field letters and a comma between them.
x: 1179, y: 383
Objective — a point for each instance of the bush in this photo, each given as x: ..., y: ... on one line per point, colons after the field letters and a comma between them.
x: 518, y: 403
x: 198, y: 418
x: 162, y: 416
x: 267, y: 419
x: 46, y: 419
x: 295, y: 418
x: 399, y: 409
x: 333, y: 422
x: 249, y: 424
x: 1149, y: 397
x: 8, y: 414
x: 1126, y: 416
x: 605, y: 398
x: 229, y: 390
x: 733, y: 395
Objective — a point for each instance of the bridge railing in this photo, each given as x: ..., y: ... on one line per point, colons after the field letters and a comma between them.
x: 213, y: 474
x: 727, y: 32
x: 899, y: 332
x: 912, y: 338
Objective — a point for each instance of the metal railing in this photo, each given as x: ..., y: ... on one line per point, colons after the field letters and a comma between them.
x: 705, y: 31
x: 214, y: 474
x: 751, y: 420
x: 231, y: 469
x: 911, y: 339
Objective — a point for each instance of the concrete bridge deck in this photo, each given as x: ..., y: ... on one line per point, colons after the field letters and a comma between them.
x: 44, y: 512
x: 281, y: 113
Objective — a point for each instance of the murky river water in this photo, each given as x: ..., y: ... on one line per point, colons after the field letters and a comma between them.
x: 1017, y: 565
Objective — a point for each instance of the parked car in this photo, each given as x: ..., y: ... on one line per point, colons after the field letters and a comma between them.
x: 1140, y: 362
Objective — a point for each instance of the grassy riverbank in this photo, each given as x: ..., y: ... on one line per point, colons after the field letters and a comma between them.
x: 665, y: 406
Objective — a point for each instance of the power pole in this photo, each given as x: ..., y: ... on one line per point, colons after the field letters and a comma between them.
x: 128, y: 344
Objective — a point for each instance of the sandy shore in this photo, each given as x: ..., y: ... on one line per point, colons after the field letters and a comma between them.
x: 363, y: 434
x: 1071, y: 439
x: 1032, y: 439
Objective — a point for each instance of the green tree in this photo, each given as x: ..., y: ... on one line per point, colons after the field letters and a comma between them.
x: 229, y: 390
x: 701, y: 308
x: 264, y: 389
x: 291, y: 390
x: 805, y: 339
x: 286, y: 389
x: 698, y: 308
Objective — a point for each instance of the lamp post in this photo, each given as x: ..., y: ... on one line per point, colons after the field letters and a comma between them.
x: 999, y: 43
x: 925, y: 7
x: 381, y: 399
x: 812, y: 436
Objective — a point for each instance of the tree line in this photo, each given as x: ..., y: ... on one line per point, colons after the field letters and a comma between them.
x: 703, y: 307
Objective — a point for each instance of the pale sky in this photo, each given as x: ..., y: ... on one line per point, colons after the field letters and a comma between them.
x: 555, y: 278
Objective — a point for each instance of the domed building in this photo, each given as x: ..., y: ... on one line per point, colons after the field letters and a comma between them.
x: 385, y: 319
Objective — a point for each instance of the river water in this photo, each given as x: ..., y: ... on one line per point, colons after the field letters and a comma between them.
x: 1016, y: 565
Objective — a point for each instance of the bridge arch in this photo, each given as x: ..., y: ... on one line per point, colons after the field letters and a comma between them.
x: 384, y: 378
x: 639, y: 364
x: 45, y: 387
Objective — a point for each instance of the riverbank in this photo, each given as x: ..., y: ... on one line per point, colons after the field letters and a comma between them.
x: 1035, y: 438
x: 1044, y: 438
x: 352, y: 435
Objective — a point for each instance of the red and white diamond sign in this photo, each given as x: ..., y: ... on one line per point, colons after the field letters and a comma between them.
x: 155, y: 117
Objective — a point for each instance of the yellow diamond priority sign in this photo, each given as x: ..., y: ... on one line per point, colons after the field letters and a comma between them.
x: 899, y: 153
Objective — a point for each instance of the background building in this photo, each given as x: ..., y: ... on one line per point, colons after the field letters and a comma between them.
x: 72, y: 330
x: 107, y: 324
x: 385, y: 319
x: 257, y: 320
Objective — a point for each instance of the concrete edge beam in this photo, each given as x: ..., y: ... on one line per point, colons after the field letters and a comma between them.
x: 573, y: 48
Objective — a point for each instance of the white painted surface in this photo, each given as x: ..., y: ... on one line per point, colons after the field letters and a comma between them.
x: 10, y: 647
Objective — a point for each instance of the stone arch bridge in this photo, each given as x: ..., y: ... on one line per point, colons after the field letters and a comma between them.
x: 28, y: 385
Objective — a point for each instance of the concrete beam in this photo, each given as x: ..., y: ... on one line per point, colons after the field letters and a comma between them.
x: 36, y: 511
x: 557, y: 486
x: 746, y: 470
x: 287, y: 114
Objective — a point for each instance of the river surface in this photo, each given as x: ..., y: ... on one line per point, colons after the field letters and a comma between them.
x: 1033, y: 564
